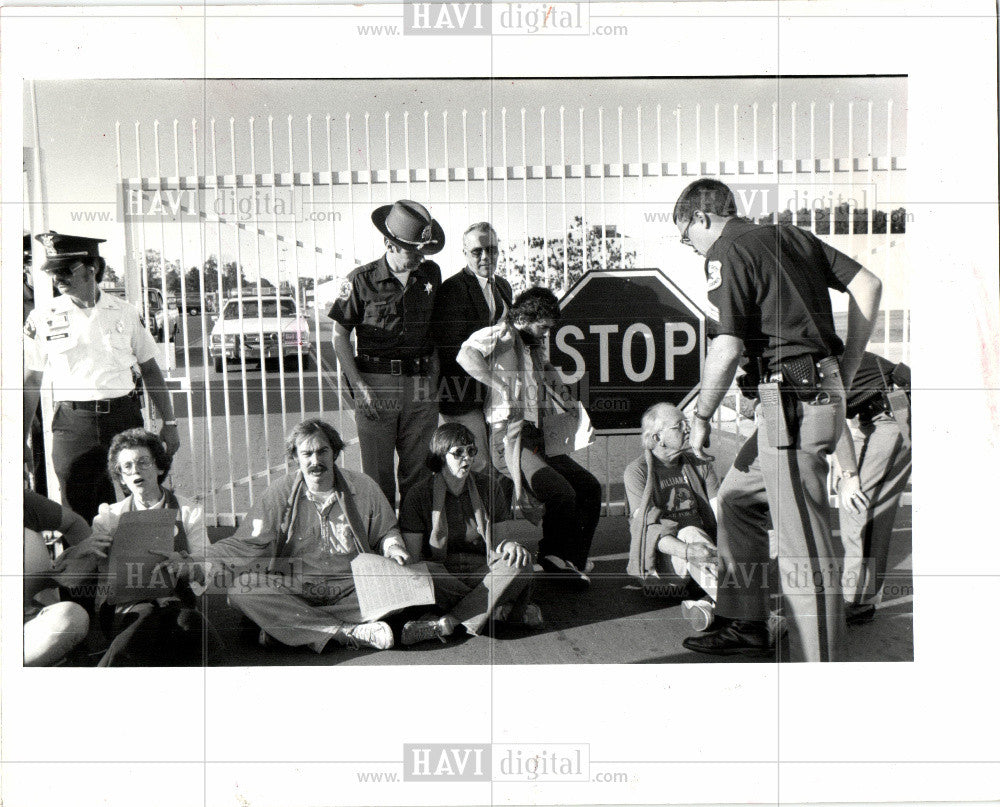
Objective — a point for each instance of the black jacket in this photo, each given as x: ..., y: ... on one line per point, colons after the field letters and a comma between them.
x: 459, y: 311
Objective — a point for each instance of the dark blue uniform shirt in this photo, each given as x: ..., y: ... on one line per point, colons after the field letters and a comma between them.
x: 770, y: 286
x: 392, y: 321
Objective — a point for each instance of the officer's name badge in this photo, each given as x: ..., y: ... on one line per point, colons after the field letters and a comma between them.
x: 714, y: 273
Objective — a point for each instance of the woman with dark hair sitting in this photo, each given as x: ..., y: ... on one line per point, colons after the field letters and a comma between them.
x: 444, y: 521
x: 138, y: 461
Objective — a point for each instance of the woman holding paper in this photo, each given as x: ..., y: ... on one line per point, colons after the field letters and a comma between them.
x: 444, y: 521
x: 138, y: 461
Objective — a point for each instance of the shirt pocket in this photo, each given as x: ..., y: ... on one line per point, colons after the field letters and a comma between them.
x: 383, y: 314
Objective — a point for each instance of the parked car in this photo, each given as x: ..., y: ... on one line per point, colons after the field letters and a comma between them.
x: 260, y: 330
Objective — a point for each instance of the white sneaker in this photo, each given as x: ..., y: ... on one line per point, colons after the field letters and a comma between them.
x: 589, y: 567
x: 375, y: 635
x: 698, y: 613
x: 420, y: 630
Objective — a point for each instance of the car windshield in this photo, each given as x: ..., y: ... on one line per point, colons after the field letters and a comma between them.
x: 251, y: 309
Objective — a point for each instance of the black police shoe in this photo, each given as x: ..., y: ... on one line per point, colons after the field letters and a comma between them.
x: 860, y: 614
x: 743, y: 637
x: 564, y: 571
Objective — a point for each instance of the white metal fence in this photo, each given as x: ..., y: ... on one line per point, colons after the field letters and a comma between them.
x: 259, y: 203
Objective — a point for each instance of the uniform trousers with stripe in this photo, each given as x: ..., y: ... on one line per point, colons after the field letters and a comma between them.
x: 407, y: 417
x: 787, y: 488
x: 884, y: 465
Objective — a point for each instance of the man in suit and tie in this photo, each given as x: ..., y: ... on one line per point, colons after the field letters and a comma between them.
x: 474, y: 298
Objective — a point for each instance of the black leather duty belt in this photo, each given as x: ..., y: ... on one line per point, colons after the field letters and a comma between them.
x: 414, y: 365
x: 104, y: 406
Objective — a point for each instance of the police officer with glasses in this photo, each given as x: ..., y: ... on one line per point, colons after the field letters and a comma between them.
x: 770, y: 284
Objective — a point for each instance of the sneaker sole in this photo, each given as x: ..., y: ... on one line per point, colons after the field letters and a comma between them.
x: 696, y: 618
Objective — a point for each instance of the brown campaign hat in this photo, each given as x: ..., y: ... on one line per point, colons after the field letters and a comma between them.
x: 63, y: 249
x: 408, y: 225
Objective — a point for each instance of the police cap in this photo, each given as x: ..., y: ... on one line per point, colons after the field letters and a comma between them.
x: 62, y: 250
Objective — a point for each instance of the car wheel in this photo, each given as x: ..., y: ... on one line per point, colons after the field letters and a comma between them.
x: 219, y: 363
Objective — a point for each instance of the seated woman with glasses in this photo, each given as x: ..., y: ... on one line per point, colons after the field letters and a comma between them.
x: 671, y: 499
x: 445, y: 522
x: 138, y: 461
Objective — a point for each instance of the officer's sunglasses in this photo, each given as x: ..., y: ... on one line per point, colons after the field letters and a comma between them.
x: 463, y: 452
x: 65, y: 270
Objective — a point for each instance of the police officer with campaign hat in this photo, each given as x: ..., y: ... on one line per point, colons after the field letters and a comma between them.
x: 85, y: 343
x: 770, y: 286
x: 393, y: 376
x: 870, y: 489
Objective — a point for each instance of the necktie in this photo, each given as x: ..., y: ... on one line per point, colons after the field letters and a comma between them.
x: 491, y: 302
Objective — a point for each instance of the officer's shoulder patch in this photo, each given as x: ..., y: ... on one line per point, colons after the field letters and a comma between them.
x: 713, y: 273
x: 345, y: 290
x: 29, y: 328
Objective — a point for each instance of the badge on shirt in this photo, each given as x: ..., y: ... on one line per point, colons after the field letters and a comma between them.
x: 429, y: 287
x: 58, y: 321
x: 713, y: 272
x: 120, y: 326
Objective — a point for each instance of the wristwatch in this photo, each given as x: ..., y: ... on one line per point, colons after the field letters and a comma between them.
x: 170, y: 423
x: 704, y: 418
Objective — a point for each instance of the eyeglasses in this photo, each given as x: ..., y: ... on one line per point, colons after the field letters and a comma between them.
x: 684, y: 232
x: 461, y: 452
x: 480, y: 251
x: 680, y: 425
x: 141, y: 464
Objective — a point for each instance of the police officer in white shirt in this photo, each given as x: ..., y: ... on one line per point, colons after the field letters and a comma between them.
x: 85, y: 343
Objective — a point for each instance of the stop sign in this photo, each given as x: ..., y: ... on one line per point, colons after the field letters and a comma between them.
x: 629, y: 338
